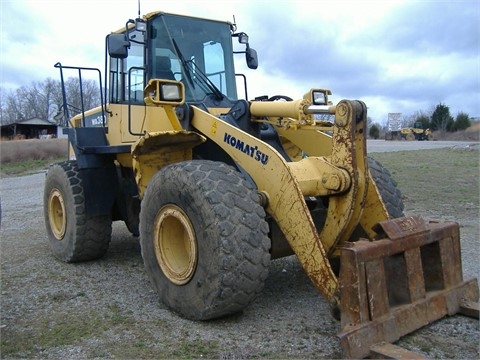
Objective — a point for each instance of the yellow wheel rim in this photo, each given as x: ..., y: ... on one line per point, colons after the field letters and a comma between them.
x: 56, y: 214
x: 175, y: 244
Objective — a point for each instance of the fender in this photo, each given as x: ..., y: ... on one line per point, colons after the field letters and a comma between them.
x: 95, y: 161
x: 155, y: 150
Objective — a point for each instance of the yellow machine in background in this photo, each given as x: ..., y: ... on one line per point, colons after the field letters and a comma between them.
x: 217, y: 186
x: 417, y: 132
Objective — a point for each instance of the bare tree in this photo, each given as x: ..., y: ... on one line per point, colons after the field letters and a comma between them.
x: 406, y: 121
x: 81, y: 101
x: 2, y: 105
x: 53, y: 97
x: 13, y: 110
x: 43, y: 99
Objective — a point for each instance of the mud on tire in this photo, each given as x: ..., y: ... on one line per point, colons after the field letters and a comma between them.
x: 73, y: 235
x: 204, y: 239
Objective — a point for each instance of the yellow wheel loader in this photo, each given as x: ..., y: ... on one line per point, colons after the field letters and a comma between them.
x: 216, y: 186
x: 417, y: 132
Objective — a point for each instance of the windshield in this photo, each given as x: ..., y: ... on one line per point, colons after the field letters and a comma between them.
x: 197, y: 52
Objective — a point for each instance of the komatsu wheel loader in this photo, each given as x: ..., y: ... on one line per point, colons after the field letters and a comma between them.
x: 217, y: 185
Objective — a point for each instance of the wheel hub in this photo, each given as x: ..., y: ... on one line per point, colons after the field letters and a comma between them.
x: 56, y: 214
x: 175, y: 244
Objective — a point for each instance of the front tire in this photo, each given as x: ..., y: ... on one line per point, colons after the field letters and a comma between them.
x: 204, y: 239
x: 387, y: 187
x: 73, y: 235
x: 391, y: 197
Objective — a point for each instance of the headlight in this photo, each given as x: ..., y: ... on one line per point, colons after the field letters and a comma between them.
x: 170, y: 92
x: 164, y: 92
x: 319, y: 96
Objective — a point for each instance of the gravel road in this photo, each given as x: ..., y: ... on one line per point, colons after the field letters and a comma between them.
x: 107, y: 308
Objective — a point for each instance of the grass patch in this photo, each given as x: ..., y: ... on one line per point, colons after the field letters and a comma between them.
x: 26, y: 167
x: 50, y: 331
x: 195, y: 348
x: 449, y: 176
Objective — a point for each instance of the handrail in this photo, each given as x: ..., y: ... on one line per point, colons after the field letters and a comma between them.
x: 64, y: 95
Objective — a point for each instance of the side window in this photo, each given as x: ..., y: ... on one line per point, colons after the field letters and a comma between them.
x: 134, y: 68
x: 116, y: 66
x: 215, y: 64
x: 127, y: 75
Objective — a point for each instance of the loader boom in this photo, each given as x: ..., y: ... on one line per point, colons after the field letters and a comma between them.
x: 286, y: 199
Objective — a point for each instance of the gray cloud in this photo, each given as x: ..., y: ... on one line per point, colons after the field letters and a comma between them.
x: 434, y: 27
x: 420, y: 53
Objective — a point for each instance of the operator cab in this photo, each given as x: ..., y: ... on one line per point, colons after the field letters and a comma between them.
x: 196, y: 52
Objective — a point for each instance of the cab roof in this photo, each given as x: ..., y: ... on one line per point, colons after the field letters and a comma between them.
x: 152, y: 14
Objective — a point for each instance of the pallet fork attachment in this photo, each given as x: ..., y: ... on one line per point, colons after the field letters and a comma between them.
x: 393, y: 286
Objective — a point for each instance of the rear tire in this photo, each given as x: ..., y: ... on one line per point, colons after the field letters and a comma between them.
x: 204, y: 239
x: 73, y: 235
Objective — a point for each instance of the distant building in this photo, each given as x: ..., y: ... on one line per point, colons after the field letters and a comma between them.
x: 34, y: 128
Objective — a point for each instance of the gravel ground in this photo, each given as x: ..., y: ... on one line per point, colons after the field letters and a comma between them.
x: 107, y: 308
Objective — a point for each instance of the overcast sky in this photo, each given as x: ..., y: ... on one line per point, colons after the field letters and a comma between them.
x: 397, y: 56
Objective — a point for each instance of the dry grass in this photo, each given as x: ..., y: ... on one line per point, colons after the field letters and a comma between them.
x: 23, y: 150
x: 20, y: 157
x: 470, y: 134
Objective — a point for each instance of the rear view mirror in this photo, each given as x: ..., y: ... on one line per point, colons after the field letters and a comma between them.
x: 251, y: 57
x: 117, y: 46
x: 250, y: 54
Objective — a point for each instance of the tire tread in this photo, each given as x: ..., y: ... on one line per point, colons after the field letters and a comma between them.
x: 87, y: 237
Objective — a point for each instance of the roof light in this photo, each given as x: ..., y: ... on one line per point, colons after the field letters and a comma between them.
x: 243, y: 38
x: 140, y: 25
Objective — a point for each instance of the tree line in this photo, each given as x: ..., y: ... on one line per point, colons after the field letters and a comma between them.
x: 44, y: 100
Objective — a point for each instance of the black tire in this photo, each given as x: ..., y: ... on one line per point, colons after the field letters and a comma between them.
x: 73, y: 235
x: 221, y: 264
x: 390, y: 193
x: 280, y: 98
